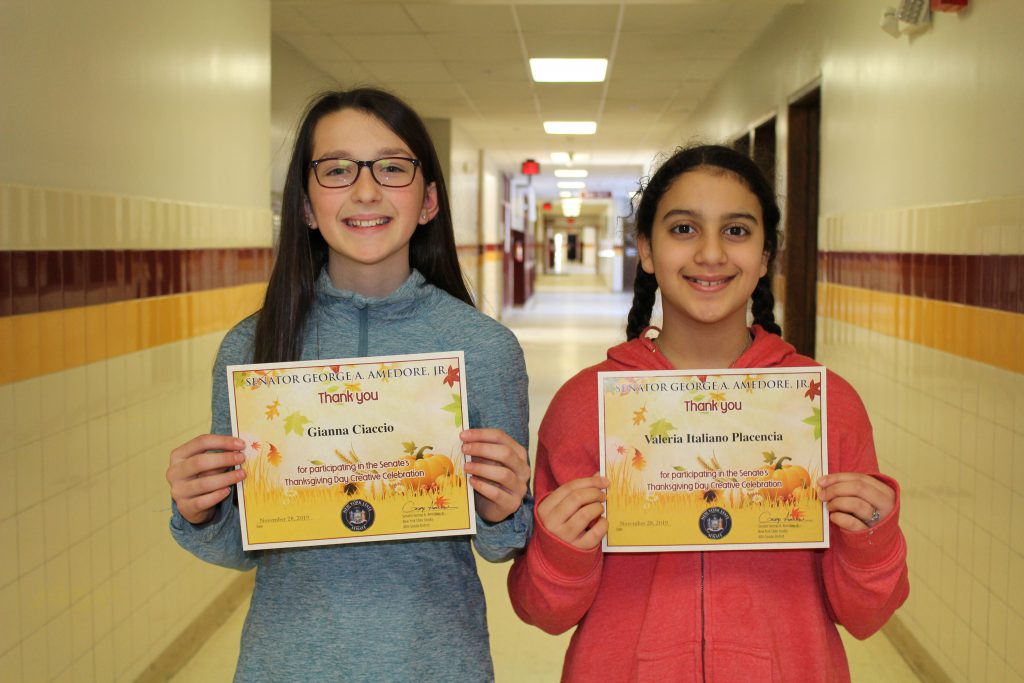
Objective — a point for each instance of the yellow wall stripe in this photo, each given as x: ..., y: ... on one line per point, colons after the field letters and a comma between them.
x: 60, y: 340
x: 982, y: 334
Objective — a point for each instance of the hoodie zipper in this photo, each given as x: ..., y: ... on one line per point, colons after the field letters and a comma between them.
x: 703, y: 643
x: 364, y: 332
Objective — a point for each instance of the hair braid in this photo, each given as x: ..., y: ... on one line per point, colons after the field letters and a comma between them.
x: 645, y: 287
x: 763, y: 306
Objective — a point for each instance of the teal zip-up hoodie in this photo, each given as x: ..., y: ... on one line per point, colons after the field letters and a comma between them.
x: 390, y: 611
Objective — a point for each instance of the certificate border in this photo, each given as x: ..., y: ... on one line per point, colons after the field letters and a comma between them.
x: 711, y: 545
x: 366, y: 360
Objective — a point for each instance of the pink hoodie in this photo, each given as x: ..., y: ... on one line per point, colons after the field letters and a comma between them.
x: 763, y: 615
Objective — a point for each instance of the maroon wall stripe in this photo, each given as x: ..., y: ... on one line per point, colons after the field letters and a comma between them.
x: 38, y: 281
x: 986, y: 281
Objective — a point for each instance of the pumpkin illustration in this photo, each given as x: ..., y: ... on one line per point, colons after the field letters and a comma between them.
x: 434, y: 465
x: 792, y: 477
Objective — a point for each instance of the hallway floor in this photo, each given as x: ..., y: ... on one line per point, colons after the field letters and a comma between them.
x: 568, y: 325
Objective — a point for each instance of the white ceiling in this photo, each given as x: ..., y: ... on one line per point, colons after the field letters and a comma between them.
x: 466, y: 60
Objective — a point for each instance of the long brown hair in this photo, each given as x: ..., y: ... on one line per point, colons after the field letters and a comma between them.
x: 302, y: 253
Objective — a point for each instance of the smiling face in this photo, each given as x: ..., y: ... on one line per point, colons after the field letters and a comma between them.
x: 366, y: 226
x: 706, y: 249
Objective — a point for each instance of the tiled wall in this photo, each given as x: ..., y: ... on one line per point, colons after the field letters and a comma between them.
x: 105, y: 368
x: 922, y: 310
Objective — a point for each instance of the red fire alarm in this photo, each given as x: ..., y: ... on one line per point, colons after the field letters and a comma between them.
x: 948, y: 5
x: 530, y: 167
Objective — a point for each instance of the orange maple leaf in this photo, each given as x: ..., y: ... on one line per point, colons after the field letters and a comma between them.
x: 452, y: 377
x: 440, y: 502
x: 274, y: 456
x: 814, y: 390
x: 796, y: 513
x: 640, y: 415
x: 272, y: 411
x: 621, y: 450
x: 638, y: 460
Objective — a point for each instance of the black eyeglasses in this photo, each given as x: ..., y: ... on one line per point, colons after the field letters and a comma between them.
x: 389, y: 171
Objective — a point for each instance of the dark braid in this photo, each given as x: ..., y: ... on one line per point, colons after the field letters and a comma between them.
x: 645, y: 287
x: 651, y: 191
x: 763, y: 306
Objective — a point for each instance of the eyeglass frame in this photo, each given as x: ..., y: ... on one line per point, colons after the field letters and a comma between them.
x: 416, y: 163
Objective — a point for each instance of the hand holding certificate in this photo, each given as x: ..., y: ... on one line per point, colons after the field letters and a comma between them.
x: 727, y: 460
x: 342, y: 451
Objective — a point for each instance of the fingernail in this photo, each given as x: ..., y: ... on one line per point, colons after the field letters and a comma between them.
x: 238, y: 444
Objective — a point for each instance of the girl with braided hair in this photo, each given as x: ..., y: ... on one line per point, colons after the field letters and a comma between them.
x: 707, y: 233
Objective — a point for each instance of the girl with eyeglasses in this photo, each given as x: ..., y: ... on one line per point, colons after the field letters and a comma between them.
x: 366, y: 266
x: 707, y: 233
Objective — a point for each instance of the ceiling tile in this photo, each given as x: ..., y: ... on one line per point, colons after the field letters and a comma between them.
x: 316, y: 47
x: 568, y: 45
x: 403, y: 72
x: 443, y: 18
x: 677, y: 19
x: 503, y: 90
x: 347, y: 73
x: 386, y: 47
x: 477, y: 70
x: 428, y: 91
x: 480, y: 45
x: 564, y: 18
x: 285, y: 19
x: 356, y: 17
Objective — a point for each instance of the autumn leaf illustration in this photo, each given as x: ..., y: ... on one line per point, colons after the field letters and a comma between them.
x: 717, y: 396
x: 352, y: 386
x: 332, y: 389
x: 317, y: 462
x: 274, y: 456
x: 702, y: 378
x: 294, y: 423
x: 452, y: 377
x: 621, y: 450
x: 815, y: 421
x: 769, y: 456
x: 353, y: 487
x: 796, y: 513
x: 383, y: 372
x: 814, y: 390
x: 440, y: 502
x: 640, y: 416
x: 455, y: 408
x: 661, y: 428
x: 638, y: 460
x: 272, y: 410
x: 679, y: 468
x: 334, y: 368
x: 409, y: 447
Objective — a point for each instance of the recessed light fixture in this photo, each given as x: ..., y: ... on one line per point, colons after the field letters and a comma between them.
x: 564, y: 194
x: 570, y: 173
x: 570, y: 127
x: 568, y: 70
x: 571, y: 185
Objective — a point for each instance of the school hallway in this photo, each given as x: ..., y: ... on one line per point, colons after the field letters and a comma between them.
x: 145, y: 149
x: 568, y: 325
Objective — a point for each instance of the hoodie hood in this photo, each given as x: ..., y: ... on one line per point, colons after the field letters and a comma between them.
x: 767, y: 350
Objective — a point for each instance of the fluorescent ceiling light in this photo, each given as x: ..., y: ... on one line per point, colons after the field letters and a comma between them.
x: 568, y: 158
x: 565, y: 194
x: 570, y: 127
x: 570, y: 173
x: 570, y: 210
x: 571, y: 185
x: 568, y: 70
